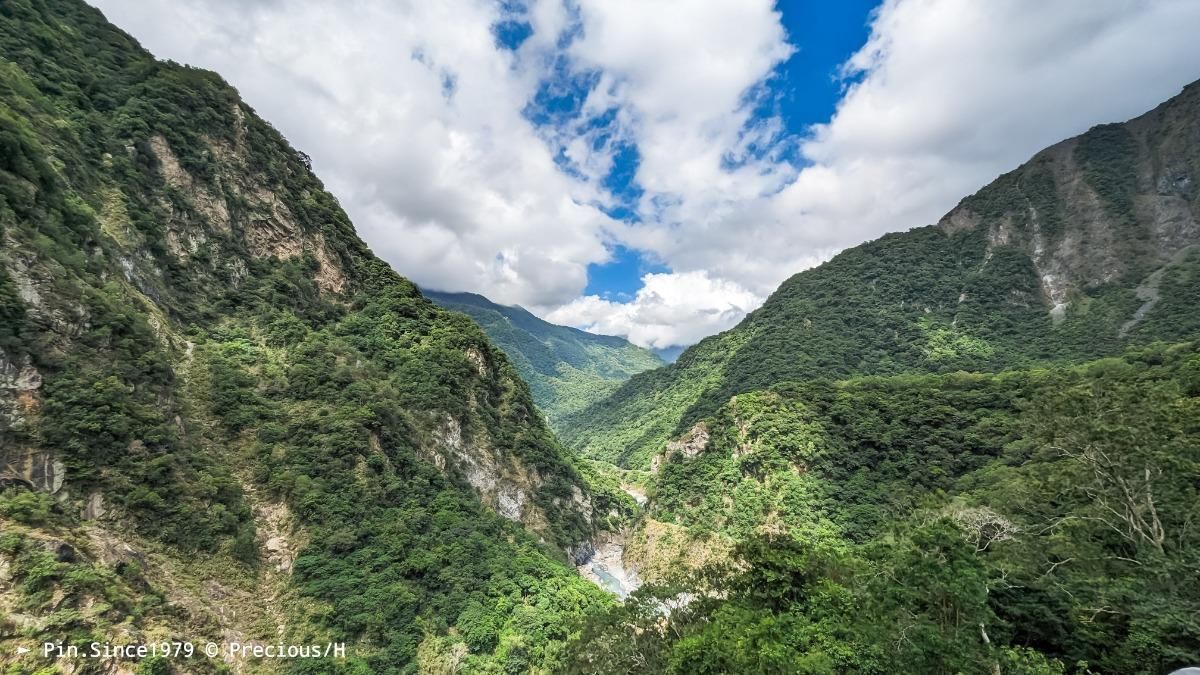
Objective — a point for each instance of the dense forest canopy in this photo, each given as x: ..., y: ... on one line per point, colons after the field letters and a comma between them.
x: 967, y: 448
x: 889, y: 524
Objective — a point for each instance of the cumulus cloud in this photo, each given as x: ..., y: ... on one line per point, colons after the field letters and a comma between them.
x: 951, y: 94
x: 681, y: 76
x: 669, y: 310
x: 413, y: 117
x: 420, y: 123
x: 943, y: 97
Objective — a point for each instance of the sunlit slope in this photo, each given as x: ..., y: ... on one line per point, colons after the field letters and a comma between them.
x: 1086, y: 248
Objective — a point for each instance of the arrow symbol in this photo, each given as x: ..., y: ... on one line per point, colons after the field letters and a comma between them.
x: 22, y: 650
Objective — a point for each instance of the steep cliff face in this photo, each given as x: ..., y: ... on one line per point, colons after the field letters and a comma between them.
x: 200, y: 361
x: 213, y: 230
x: 1088, y: 247
x: 1112, y: 206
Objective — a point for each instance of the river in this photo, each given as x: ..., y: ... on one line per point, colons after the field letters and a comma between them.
x: 606, y: 568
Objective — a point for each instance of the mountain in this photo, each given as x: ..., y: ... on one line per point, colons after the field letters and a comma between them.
x: 223, y: 419
x: 1034, y: 521
x: 567, y: 369
x: 669, y: 354
x: 1087, y: 248
x: 828, y: 483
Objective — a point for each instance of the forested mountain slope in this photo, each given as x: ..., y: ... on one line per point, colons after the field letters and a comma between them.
x: 221, y: 417
x: 1031, y: 522
x: 567, y: 369
x: 1088, y: 247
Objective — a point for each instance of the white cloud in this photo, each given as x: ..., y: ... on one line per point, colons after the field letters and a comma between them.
x: 414, y: 119
x: 946, y: 96
x: 951, y: 94
x: 680, y: 73
x: 670, y: 309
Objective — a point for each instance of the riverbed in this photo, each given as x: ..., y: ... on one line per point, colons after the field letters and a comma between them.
x: 607, y: 569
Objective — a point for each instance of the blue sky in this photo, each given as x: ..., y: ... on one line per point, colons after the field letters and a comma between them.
x: 655, y: 168
x: 803, y: 91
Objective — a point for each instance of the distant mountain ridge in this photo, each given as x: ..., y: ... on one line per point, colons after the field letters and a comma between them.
x: 669, y: 354
x: 1088, y: 247
x: 567, y: 369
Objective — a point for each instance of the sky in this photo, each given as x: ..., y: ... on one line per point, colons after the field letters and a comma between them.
x: 655, y: 169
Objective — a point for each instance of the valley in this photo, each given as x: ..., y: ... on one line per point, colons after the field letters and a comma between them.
x: 567, y: 369
x: 971, y: 447
x: 862, y: 408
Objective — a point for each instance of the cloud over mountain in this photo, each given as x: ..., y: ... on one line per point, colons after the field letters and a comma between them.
x: 474, y: 160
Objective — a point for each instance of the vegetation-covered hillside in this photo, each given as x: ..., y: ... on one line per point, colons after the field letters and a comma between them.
x: 969, y: 448
x: 567, y: 369
x: 1029, y: 522
x: 1086, y: 248
x: 221, y: 417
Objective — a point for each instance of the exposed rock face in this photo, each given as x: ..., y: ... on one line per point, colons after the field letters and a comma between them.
x: 276, y: 530
x: 1148, y: 291
x: 34, y: 286
x: 112, y: 551
x: 34, y: 469
x: 1084, y: 223
x: 504, y: 483
x: 581, y: 503
x: 211, y: 206
x: 329, y: 276
x: 657, y: 549
x: 510, y: 502
x: 266, y: 223
x: 20, y: 384
x: 94, y: 507
x: 273, y: 230
x: 581, y: 553
x: 477, y: 359
x: 689, y: 445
